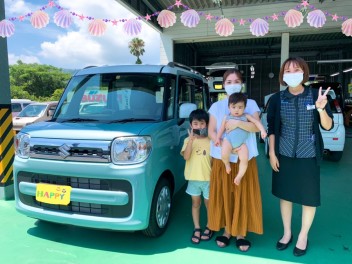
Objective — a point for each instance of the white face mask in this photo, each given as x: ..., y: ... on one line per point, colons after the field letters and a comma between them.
x: 293, y: 79
x: 233, y: 88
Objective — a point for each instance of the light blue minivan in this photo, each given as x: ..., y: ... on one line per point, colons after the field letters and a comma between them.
x: 110, y: 157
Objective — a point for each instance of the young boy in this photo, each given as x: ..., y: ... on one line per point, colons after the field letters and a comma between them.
x: 196, y: 152
x: 235, y: 139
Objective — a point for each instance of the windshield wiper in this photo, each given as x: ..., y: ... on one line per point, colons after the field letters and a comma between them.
x: 77, y: 120
x: 131, y: 120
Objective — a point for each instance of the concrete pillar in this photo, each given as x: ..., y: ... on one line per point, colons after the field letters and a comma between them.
x: 285, y: 50
x: 166, y: 49
x: 6, y: 132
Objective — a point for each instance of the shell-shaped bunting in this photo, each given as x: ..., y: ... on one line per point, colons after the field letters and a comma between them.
x: 97, y: 27
x: 39, y: 19
x: 224, y: 27
x: 293, y: 18
x: 166, y: 18
x: 316, y: 18
x: 63, y: 18
x: 132, y: 27
x: 7, y: 28
x: 347, y: 27
x: 259, y: 27
x: 190, y: 18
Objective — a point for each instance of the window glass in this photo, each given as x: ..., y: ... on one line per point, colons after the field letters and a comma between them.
x: 16, y: 107
x: 113, y: 97
x: 198, y: 94
x: 171, y: 100
x: 185, y: 90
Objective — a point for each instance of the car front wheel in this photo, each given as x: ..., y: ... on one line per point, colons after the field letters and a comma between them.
x: 160, y: 209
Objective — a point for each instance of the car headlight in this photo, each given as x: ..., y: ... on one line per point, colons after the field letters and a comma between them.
x: 130, y: 150
x: 22, y: 145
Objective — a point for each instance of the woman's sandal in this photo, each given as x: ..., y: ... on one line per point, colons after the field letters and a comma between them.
x: 197, y: 238
x: 243, y: 242
x: 207, y: 234
x: 223, y: 239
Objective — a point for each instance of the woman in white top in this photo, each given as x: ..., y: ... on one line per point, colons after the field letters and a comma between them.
x: 236, y: 208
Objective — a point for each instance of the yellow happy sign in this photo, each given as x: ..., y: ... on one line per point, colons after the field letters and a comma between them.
x: 53, y: 194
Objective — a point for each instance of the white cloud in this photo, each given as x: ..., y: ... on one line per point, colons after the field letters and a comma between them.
x: 17, y: 7
x: 24, y: 58
x: 76, y: 48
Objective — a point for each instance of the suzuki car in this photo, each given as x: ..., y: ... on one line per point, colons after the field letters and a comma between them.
x: 110, y: 156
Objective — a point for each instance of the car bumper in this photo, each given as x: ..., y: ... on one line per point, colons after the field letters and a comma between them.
x: 103, y: 196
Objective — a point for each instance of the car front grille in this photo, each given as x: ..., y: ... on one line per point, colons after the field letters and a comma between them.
x: 102, y: 210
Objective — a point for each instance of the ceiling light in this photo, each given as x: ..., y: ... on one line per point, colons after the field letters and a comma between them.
x: 334, y: 74
x: 333, y: 61
x: 347, y: 70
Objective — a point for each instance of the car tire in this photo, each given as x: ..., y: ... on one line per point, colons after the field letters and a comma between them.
x: 160, y: 209
x: 335, y: 155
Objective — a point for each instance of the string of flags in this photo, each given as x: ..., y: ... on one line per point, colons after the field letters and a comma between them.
x: 189, y: 18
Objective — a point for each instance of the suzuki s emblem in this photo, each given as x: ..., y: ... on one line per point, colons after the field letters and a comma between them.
x: 64, y: 151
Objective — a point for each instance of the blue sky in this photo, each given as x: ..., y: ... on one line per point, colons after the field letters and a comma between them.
x: 74, y: 47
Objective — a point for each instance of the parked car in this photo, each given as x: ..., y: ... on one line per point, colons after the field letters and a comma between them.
x: 18, y: 105
x: 334, y: 140
x: 33, y: 113
x: 112, y: 161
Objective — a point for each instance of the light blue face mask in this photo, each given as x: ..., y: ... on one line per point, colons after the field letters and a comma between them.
x: 233, y: 88
x: 293, y: 79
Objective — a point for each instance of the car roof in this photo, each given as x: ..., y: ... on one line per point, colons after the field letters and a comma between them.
x: 44, y: 103
x: 172, y: 68
x: 20, y: 100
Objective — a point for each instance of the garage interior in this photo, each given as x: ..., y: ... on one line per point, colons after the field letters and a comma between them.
x: 264, y: 55
x: 328, y: 51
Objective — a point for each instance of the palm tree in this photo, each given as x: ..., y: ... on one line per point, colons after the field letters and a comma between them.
x: 136, y: 46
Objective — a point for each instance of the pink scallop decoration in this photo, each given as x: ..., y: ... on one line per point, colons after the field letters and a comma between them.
x: 190, y: 18
x: 166, y: 18
x: 97, y: 27
x: 63, y: 18
x: 132, y: 27
x: 7, y: 28
x: 293, y: 18
x: 39, y: 19
x: 224, y: 27
x: 316, y: 18
x: 347, y: 27
x: 259, y: 27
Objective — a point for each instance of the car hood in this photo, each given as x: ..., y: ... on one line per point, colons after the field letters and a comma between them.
x: 85, y: 131
x: 24, y: 120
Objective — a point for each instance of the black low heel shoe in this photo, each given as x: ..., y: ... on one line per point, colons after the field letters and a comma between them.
x: 282, y: 246
x: 300, y: 252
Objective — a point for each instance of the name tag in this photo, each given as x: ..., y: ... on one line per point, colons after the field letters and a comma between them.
x: 310, y: 107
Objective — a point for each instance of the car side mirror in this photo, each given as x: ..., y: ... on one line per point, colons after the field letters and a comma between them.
x: 186, y: 109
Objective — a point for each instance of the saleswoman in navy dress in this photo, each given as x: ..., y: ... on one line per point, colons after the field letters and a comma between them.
x: 296, y: 148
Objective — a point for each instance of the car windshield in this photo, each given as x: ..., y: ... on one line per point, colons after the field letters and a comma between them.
x: 32, y: 110
x: 112, y: 97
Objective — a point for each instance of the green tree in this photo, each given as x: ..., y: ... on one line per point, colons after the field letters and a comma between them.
x: 57, y: 94
x: 136, y: 46
x: 35, y: 81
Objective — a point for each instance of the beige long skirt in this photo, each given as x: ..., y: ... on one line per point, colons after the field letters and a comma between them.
x: 238, y: 208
